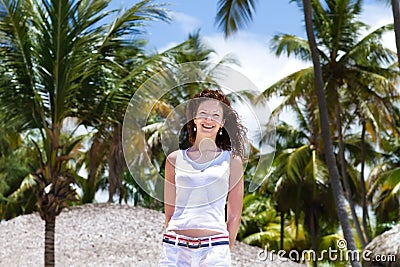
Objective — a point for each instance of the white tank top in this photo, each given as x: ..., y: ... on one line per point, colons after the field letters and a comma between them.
x: 201, y: 191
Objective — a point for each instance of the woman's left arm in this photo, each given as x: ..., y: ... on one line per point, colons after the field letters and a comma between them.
x: 235, y: 198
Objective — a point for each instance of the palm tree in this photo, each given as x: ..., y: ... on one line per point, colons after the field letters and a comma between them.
x: 243, y: 13
x: 396, y: 19
x: 53, y: 51
x: 325, y: 133
x: 343, y: 59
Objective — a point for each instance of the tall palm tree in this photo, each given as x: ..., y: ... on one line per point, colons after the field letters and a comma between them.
x: 243, y: 13
x: 347, y: 73
x: 53, y: 52
x: 396, y: 19
x: 325, y: 133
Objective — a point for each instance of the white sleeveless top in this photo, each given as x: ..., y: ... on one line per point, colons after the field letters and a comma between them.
x: 201, y: 191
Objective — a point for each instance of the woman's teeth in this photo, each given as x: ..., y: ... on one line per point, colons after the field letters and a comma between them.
x: 208, y: 126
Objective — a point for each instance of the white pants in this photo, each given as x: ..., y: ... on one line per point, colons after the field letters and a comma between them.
x: 179, y: 256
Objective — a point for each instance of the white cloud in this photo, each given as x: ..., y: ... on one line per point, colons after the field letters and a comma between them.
x: 187, y: 23
x: 256, y: 60
x: 377, y: 15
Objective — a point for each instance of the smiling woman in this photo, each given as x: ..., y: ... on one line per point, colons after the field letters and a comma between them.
x: 198, y: 183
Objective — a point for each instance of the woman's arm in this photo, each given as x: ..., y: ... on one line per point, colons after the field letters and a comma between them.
x: 169, y: 187
x: 235, y: 199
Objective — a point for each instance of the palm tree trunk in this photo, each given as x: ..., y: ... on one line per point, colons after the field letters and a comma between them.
x: 282, y: 230
x: 396, y: 18
x: 326, y: 136
x: 49, y: 234
x: 345, y: 177
x: 363, y: 187
x: 54, y: 189
x: 313, y: 232
x: 95, y: 158
x: 116, y: 163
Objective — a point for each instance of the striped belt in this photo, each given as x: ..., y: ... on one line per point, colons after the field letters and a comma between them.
x: 196, y: 242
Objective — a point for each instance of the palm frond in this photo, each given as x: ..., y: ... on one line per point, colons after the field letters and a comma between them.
x: 234, y: 14
x: 132, y: 22
x: 291, y: 44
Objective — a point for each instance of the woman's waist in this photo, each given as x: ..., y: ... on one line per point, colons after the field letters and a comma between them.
x: 197, y: 233
x: 194, y: 229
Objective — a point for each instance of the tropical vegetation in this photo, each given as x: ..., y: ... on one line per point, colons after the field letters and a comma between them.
x: 68, y: 71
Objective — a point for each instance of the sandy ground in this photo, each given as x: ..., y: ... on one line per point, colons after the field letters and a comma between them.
x: 102, y: 235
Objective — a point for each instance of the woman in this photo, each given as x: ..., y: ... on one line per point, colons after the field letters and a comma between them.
x: 199, y: 181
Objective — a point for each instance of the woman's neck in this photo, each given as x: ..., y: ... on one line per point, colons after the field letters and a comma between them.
x: 205, y: 145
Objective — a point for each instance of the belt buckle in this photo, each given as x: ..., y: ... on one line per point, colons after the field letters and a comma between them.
x: 193, y: 246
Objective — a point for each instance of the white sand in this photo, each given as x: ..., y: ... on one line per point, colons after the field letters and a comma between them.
x: 100, y: 235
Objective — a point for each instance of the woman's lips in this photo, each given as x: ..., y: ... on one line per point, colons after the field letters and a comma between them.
x: 208, y: 127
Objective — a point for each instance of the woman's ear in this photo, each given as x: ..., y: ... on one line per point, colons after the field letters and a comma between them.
x: 223, y: 123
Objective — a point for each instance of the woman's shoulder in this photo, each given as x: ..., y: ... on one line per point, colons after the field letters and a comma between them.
x: 235, y: 160
x: 173, y: 155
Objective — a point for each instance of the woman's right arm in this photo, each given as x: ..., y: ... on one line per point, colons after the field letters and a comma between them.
x: 169, y: 187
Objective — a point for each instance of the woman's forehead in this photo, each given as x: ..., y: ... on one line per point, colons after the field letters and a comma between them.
x: 211, y: 104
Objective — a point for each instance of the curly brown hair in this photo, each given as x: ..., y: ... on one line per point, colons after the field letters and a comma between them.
x: 233, y: 136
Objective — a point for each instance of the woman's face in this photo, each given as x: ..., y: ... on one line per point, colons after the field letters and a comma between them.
x: 209, y: 117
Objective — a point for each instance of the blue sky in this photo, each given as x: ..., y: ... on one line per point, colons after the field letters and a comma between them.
x: 189, y: 15
x: 250, y: 46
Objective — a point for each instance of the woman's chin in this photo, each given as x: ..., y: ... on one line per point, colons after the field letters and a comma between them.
x: 208, y: 134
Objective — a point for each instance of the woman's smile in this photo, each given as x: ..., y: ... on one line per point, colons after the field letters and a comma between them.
x: 208, y: 126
